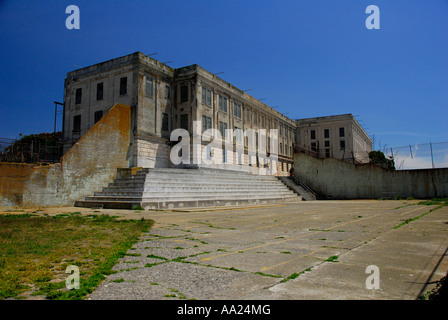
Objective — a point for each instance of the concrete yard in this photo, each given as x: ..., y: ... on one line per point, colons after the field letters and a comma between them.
x: 303, y: 250
x: 279, y: 252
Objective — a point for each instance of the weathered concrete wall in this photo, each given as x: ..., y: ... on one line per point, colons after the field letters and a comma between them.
x: 88, y: 166
x: 336, y: 179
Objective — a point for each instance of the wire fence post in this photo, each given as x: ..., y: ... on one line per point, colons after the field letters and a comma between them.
x: 432, y: 156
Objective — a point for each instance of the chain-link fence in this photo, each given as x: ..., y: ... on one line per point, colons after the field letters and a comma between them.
x: 419, y: 156
x: 359, y: 157
x: 35, y: 148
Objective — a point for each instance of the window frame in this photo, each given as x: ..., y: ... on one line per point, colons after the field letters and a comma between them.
x: 123, y: 86
x: 100, y: 93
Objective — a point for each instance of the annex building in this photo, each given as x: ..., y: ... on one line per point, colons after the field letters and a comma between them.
x: 338, y: 136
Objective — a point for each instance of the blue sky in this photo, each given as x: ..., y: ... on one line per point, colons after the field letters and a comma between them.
x: 311, y: 58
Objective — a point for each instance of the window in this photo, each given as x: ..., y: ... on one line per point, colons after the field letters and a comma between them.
x: 247, y: 115
x: 326, y: 133
x: 206, y: 123
x: 223, y: 103
x: 327, y: 144
x: 184, y: 93
x: 165, y: 122
x: 123, y: 85
x: 77, y: 124
x: 78, y: 96
x: 224, y: 156
x: 206, y: 97
x: 342, y: 144
x: 98, y: 115
x: 222, y: 129
x: 167, y: 92
x: 184, y: 121
x: 237, y: 109
x: 281, y: 148
x: 341, y: 132
x: 262, y: 122
x: 209, y: 153
x: 313, y: 134
x: 238, y: 133
x: 255, y: 118
x: 281, y: 129
x: 327, y: 153
x: 149, y: 87
x: 99, y: 91
x: 313, y: 146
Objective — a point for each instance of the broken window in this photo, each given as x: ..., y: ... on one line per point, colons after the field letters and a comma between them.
x: 77, y: 124
x: 98, y: 115
x: 206, y: 123
x: 184, y: 121
x: 78, y: 96
x: 206, y: 97
x: 184, y: 93
x: 237, y: 109
x: 99, y: 91
x: 165, y: 126
x: 223, y: 103
x: 222, y: 129
x: 341, y: 132
x: 313, y: 134
x: 167, y: 92
x: 149, y: 90
x: 123, y: 85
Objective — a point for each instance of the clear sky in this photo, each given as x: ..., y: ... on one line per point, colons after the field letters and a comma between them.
x: 311, y: 58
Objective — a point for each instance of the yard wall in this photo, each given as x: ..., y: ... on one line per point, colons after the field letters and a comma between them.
x: 337, y: 179
x: 90, y: 164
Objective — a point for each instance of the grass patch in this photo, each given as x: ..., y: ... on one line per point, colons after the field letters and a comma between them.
x: 435, y: 202
x: 332, y: 259
x: 36, y: 250
x: 294, y: 275
x: 441, y: 203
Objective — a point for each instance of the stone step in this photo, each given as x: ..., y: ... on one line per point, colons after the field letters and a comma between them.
x: 164, y: 189
x: 179, y: 204
x: 189, y: 196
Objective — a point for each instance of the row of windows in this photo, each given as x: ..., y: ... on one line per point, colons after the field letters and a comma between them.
x: 100, y: 90
x: 99, y: 114
x: 327, y: 133
x: 77, y: 121
x: 238, y: 111
x: 207, y: 124
x: 149, y: 89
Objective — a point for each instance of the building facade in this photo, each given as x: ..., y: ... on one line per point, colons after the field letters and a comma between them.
x: 339, y: 136
x: 222, y: 121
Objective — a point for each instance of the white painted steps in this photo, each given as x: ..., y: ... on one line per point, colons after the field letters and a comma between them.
x: 183, y: 188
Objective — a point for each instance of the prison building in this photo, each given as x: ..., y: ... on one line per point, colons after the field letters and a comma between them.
x: 164, y: 99
x: 337, y: 136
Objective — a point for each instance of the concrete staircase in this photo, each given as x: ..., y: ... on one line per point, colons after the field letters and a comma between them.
x: 186, y: 188
x: 299, y: 187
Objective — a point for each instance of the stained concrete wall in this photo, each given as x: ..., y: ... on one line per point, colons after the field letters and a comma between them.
x: 87, y: 166
x: 336, y: 179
